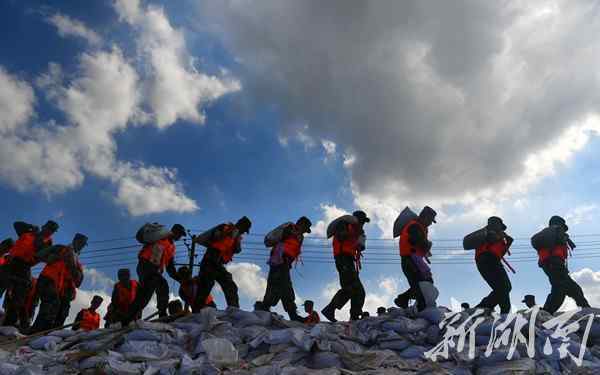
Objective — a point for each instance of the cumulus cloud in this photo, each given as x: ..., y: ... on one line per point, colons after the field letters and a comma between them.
x: 104, y: 96
x: 249, y: 279
x: 68, y: 26
x: 176, y: 89
x: 98, y: 280
x: 582, y: 214
x: 444, y: 103
x: 589, y: 280
x: 16, y: 102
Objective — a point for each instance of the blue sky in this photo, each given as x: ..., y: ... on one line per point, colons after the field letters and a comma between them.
x: 198, y: 112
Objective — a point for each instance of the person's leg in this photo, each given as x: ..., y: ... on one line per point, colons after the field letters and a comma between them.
x: 206, y: 280
x: 288, y: 296
x: 162, y: 295
x: 487, y: 267
x: 230, y: 289
x: 503, y: 291
x: 357, y: 300
x: 145, y: 291
x: 345, y: 267
x: 49, y: 306
x: 343, y: 264
x: 272, y: 294
x: 557, y: 295
x: 573, y: 290
x: 411, y: 272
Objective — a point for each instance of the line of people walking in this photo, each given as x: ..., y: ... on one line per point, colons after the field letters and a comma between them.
x: 56, y: 286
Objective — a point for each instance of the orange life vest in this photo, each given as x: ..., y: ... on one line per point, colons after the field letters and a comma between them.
x: 90, y: 320
x: 3, y: 260
x: 190, y: 289
x: 349, y: 246
x: 31, y: 297
x: 497, y: 248
x: 24, y: 248
x: 59, y: 273
x: 406, y: 249
x: 292, y: 245
x: 126, y: 296
x: 312, y: 318
x: 561, y: 251
x: 159, y: 253
x: 228, y: 243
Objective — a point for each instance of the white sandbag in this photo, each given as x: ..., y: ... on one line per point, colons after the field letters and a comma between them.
x: 522, y: 366
x: 152, y: 232
x: 64, y: 333
x: 332, y: 227
x: 413, y: 352
x: 323, y: 360
x: 47, y: 343
x: 144, y: 351
x: 432, y: 314
x: 397, y: 345
x: 473, y: 240
x: 10, y: 332
x: 205, y: 238
x: 191, y: 366
x: 430, y: 293
x: 403, y: 218
x: 220, y: 351
x: 545, y: 238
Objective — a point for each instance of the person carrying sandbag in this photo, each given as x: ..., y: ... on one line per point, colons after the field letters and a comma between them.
x: 23, y: 255
x: 348, y: 243
x: 157, y: 255
x: 553, y: 246
x: 286, y: 243
x: 221, y: 242
x: 491, y: 244
x: 415, y: 247
x: 62, y: 272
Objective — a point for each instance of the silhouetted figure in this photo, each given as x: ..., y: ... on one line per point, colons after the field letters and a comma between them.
x: 529, y: 300
x: 89, y: 319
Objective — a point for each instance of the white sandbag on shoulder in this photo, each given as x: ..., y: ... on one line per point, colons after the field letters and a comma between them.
x: 274, y: 236
x: 332, y: 227
x: 403, y: 218
x: 473, y: 240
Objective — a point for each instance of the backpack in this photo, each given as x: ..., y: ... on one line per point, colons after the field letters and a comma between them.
x: 474, y: 240
x: 333, y: 226
x: 151, y: 232
x: 403, y: 218
x: 205, y: 238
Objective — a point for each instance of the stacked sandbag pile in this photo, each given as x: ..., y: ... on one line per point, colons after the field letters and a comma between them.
x: 241, y: 342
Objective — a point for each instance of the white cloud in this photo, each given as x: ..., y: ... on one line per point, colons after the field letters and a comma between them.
x: 176, y: 89
x: 436, y: 118
x: 148, y: 190
x: 330, y: 212
x: 581, y: 214
x: 330, y: 148
x: 589, y: 281
x: 249, y: 279
x: 16, y: 102
x: 68, y: 26
x: 97, y: 280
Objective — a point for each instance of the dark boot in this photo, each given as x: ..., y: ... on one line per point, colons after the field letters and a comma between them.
x: 402, y: 300
x: 329, y: 313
